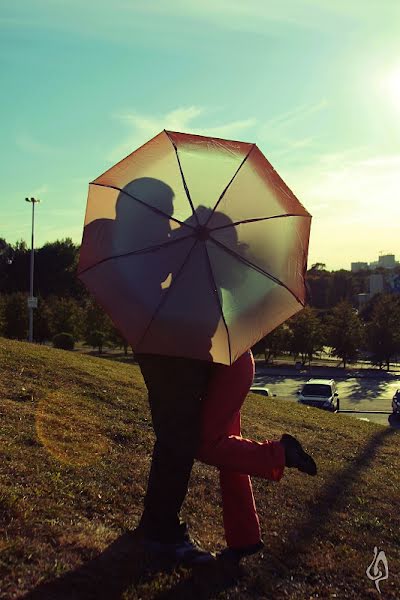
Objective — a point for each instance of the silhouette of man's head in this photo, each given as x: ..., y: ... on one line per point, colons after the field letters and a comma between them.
x: 143, y: 209
x: 152, y: 192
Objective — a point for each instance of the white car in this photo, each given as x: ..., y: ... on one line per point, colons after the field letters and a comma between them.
x: 261, y: 390
x: 321, y: 393
x: 396, y: 403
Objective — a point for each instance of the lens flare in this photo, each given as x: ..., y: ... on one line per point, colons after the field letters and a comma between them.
x: 69, y: 430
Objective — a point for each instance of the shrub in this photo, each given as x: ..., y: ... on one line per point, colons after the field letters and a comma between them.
x: 65, y: 341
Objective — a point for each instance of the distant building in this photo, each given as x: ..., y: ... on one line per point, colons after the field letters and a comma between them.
x: 376, y: 284
x: 387, y: 261
x: 385, y: 282
x: 394, y: 283
x: 358, y: 266
x: 362, y: 299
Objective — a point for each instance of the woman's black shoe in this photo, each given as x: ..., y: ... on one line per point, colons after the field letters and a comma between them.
x: 235, y: 554
x: 296, y: 457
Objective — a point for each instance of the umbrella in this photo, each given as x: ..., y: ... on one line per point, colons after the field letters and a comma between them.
x: 195, y: 247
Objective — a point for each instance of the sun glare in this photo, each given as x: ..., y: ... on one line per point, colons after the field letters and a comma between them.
x: 392, y: 86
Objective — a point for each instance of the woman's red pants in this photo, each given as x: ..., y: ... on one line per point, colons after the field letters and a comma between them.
x: 236, y: 457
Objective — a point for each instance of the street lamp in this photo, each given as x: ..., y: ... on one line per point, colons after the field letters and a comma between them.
x: 32, y: 301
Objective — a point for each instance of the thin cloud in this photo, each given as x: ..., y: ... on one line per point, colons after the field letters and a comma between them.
x: 115, y: 21
x: 228, y: 14
x: 383, y: 161
x: 292, y: 117
x: 256, y: 14
x: 27, y: 143
x: 40, y: 191
x: 149, y: 125
x: 231, y: 129
x: 282, y: 136
x: 143, y: 127
x: 80, y: 180
x: 364, y: 189
x: 354, y: 203
x: 291, y: 145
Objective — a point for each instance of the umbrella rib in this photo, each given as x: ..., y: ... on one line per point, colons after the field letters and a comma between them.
x: 183, y: 177
x: 257, y: 268
x: 153, y: 208
x: 219, y: 303
x: 164, y: 298
x: 141, y: 251
x: 260, y: 219
x: 226, y: 188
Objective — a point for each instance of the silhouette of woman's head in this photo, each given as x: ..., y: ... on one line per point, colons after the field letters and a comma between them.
x: 224, y: 245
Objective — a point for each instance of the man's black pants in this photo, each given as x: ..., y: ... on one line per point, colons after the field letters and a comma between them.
x: 176, y: 387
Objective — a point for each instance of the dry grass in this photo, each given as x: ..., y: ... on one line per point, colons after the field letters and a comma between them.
x: 75, y: 446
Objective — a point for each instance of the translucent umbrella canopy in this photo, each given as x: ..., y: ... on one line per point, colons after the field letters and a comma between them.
x: 195, y: 247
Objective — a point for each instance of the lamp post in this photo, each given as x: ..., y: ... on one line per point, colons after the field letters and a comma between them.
x: 32, y: 301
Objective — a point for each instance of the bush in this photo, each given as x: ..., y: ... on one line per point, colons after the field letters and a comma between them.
x: 65, y: 341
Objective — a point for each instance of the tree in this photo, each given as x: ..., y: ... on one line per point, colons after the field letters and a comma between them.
x: 95, y: 319
x: 16, y: 316
x: 96, y: 339
x: 117, y: 340
x: 16, y: 264
x: 383, y: 331
x: 97, y: 325
x: 317, y: 289
x: 6, y: 253
x: 2, y: 318
x: 307, y: 334
x: 65, y: 316
x: 277, y: 342
x: 345, y: 332
x: 42, y: 321
x: 367, y: 310
x: 340, y: 287
x: 55, y: 265
x: 317, y: 267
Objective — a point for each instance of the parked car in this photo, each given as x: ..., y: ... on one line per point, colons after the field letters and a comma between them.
x: 321, y: 393
x: 396, y: 403
x: 262, y: 390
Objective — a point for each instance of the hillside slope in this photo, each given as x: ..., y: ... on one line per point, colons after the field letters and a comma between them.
x: 75, y: 447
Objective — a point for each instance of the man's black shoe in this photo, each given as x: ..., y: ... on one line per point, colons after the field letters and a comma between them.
x: 183, y: 553
x: 296, y: 457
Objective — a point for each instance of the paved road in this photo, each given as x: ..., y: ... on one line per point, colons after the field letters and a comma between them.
x: 354, y: 393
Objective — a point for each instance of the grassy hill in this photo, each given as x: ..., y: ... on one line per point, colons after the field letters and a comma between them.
x: 75, y: 447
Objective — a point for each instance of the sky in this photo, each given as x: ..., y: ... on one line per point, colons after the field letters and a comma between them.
x: 314, y: 83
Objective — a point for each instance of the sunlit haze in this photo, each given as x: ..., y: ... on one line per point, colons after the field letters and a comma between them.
x: 392, y: 85
x: 314, y: 84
